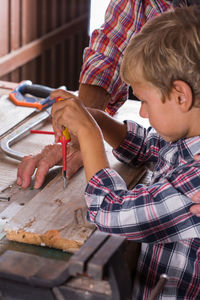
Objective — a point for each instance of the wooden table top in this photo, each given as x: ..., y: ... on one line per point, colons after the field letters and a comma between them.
x: 25, y: 205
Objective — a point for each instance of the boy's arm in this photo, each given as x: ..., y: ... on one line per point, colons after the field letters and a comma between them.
x: 74, y: 116
x: 92, y: 145
x: 157, y: 213
x: 114, y: 132
x: 92, y: 151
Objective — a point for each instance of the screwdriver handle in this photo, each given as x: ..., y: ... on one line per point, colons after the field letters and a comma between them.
x: 66, y: 135
x: 65, y: 132
x: 64, y: 142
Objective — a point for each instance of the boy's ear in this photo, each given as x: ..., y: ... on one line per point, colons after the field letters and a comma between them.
x: 182, y: 94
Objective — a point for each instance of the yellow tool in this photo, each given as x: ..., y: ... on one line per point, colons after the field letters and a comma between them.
x: 64, y: 139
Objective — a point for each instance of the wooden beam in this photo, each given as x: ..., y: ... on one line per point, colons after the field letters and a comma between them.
x: 21, y: 56
x: 8, y: 85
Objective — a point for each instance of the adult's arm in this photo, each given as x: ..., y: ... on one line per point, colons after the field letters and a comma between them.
x: 94, y: 96
x: 102, y: 59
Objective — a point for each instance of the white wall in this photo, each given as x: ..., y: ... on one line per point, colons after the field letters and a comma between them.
x: 97, y: 12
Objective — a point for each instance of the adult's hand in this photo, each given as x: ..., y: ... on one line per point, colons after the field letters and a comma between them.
x: 47, y: 158
x: 50, y: 156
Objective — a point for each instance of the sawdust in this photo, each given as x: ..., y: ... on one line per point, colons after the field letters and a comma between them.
x: 50, y: 239
x: 30, y: 223
x: 58, y: 202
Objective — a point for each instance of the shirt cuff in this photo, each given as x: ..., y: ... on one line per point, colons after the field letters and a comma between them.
x: 101, y: 184
x: 103, y: 71
x: 127, y: 151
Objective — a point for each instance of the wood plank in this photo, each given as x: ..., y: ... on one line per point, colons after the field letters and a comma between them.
x: 56, y: 217
x: 29, y: 24
x: 6, y: 85
x: 15, y: 34
x: 14, y: 24
x: 31, y: 144
x: 4, y: 29
x: 11, y: 115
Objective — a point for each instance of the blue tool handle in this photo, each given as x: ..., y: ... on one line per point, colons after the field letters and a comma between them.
x: 36, y: 90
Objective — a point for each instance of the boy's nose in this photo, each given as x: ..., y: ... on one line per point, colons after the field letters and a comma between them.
x: 143, y: 111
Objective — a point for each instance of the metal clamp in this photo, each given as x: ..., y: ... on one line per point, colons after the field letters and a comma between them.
x: 100, y: 259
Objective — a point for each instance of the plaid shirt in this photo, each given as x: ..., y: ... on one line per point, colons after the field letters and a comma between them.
x: 102, y: 59
x: 156, y: 215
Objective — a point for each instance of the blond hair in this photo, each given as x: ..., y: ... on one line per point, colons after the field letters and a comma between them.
x: 166, y: 49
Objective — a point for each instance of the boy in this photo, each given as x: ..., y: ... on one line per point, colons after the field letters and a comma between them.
x: 162, y: 64
x: 100, y: 82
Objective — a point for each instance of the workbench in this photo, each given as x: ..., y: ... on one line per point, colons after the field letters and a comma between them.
x: 34, y: 272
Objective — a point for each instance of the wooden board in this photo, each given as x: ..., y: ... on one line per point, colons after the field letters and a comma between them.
x: 56, y: 217
x: 31, y: 144
x: 52, y: 216
x: 11, y: 115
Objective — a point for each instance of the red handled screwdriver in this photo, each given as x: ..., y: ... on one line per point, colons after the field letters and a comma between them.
x: 64, y: 139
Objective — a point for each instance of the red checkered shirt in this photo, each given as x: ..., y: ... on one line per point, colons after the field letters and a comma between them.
x: 101, y: 60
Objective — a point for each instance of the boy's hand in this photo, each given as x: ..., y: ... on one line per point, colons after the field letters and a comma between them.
x: 195, y: 209
x: 70, y: 113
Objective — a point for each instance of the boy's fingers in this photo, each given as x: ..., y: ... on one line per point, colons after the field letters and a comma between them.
x: 57, y: 126
x: 197, y: 156
x: 56, y: 107
x: 57, y: 111
x: 196, y: 197
x: 61, y: 93
x: 195, y: 209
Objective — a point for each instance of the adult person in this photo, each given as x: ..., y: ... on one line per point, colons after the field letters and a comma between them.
x: 100, y: 83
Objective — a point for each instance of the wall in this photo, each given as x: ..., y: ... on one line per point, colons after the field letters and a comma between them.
x: 97, y: 12
x: 43, y: 40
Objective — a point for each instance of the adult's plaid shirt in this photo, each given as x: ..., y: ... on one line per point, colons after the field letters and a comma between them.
x: 102, y: 59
